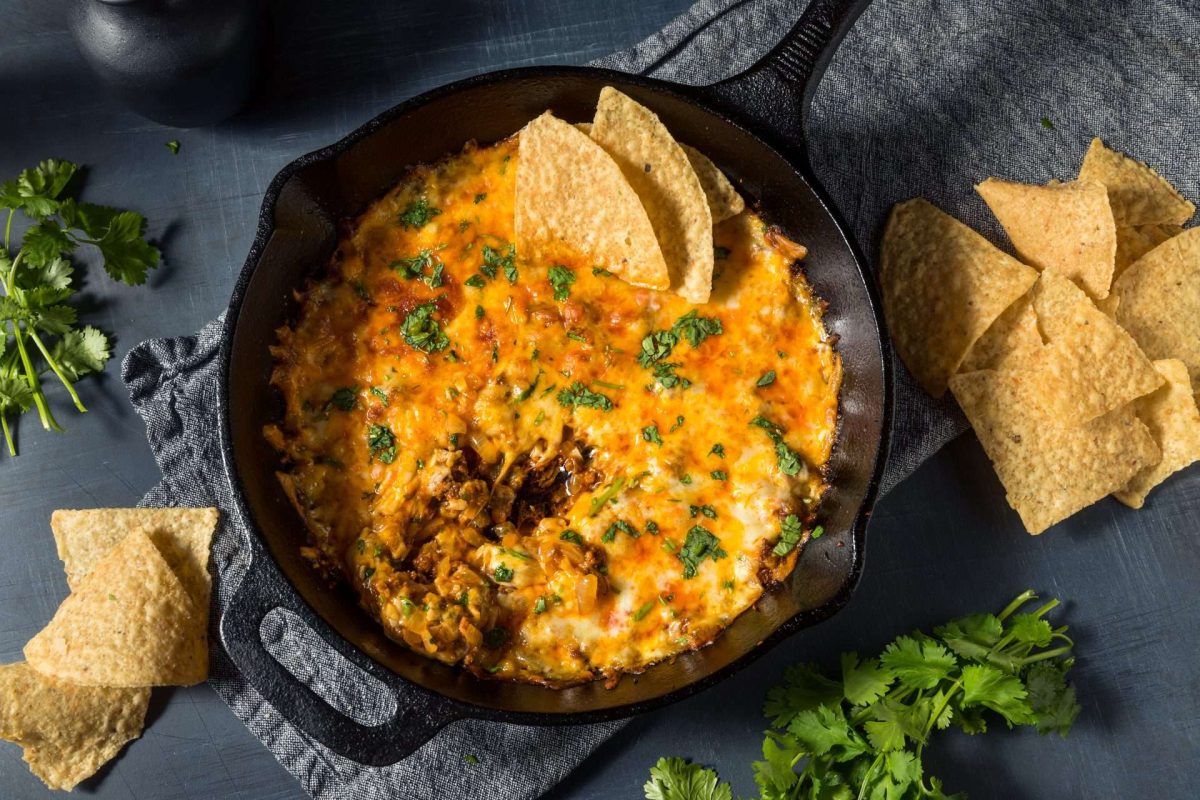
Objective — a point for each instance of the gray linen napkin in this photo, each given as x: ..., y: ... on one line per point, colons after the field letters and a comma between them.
x: 924, y: 97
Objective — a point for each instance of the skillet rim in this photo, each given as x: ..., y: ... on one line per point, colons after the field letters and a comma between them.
x: 453, y: 708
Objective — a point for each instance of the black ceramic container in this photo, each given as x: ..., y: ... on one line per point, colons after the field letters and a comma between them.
x: 181, y: 62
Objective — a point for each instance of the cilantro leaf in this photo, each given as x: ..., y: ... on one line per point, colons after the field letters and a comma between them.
x: 1051, y: 698
x: 676, y: 779
x: 381, y: 444
x: 1005, y: 694
x: 699, y: 545
x: 972, y: 636
x: 804, y: 688
x: 417, y: 214
x: 80, y: 352
x: 696, y: 328
x: 918, y: 664
x: 789, y: 534
x: 45, y: 242
x: 127, y: 256
x: 561, y: 279
x: 422, y: 331
x: 864, y: 682
x: 577, y: 394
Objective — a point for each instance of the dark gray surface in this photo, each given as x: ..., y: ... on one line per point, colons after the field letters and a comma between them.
x: 943, y: 544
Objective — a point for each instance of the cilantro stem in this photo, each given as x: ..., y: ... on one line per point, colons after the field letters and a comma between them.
x: 1020, y: 600
x: 12, y: 449
x: 48, y: 421
x: 57, y: 371
x: 866, y: 781
x: 8, y: 229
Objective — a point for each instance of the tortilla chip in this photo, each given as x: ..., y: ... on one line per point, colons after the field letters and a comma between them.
x: 943, y: 286
x: 68, y: 732
x: 1089, y: 365
x: 1012, y: 341
x: 1134, y: 242
x: 129, y: 622
x: 183, y: 537
x: 723, y: 200
x: 1067, y: 228
x: 1159, y: 301
x: 1171, y: 415
x: 1050, y: 471
x: 659, y: 171
x: 571, y: 199
x: 1138, y: 194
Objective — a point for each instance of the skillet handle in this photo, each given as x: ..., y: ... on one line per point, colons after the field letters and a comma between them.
x: 418, y: 716
x: 776, y: 93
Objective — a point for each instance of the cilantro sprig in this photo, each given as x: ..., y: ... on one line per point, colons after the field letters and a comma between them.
x: 38, y: 329
x: 864, y: 735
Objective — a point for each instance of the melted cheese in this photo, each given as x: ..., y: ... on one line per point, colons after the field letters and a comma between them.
x: 425, y: 526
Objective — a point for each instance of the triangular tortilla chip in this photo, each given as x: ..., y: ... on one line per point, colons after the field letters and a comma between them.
x: 659, y: 171
x: 1135, y: 241
x: 723, y: 200
x: 1050, y: 470
x: 1067, y: 228
x: 1138, y: 194
x: 1171, y: 415
x: 1012, y: 341
x: 68, y: 732
x: 182, y: 535
x: 943, y: 286
x: 1159, y: 301
x: 1089, y: 366
x: 130, y: 622
x: 572, y: 201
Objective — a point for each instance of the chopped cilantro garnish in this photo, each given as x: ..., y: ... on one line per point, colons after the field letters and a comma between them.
x: 381, y: 443
x: 528, y: 391
x: 579, y: 337
x: 767, y: 379
x: 643, y: 611
x: 475, y: 282
x: 495, y: 259
x: 579, y: 395
x: 495, y: 352
x: 650, y: 434
x: 470, y: 759
x: 418, y: 213
x: 789, y: 535
x: 610, y: 491
x: 571, y: 536
x: 1047, y: 124
x: 718, y: 450
x: 616, y: 387
x: 664, y: 373
x: 705, y: 510
x: 561, y: 279
x: 517, y: 554
x: 600, y: 272
x: 367, y: 572
x: 539, y: 606
x: 696, y: 328
x: 728, y: 585
x: 344, y: 398
x: 479, y: 198
x: 360, y: 289
x: 656, y: 346
x: 413, y: 266
x: 422, y: 331
x: 619, y: 526
x: 685, y: 479
x: 719, y: 475
x: 652, y: 527
x: 789, y: 459
x: 700, y: 544
x: 173, y: 146
x: 503, y: 573
x: 381, y: 394
x: 478, y: 312
x: 678, y: 424
x: 817, y: 532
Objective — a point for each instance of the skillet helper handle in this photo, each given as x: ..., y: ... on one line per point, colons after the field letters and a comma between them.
x: 417, y: 717
x: 776, y: 92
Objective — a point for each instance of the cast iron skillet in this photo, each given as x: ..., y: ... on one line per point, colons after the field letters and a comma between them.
x: 752, y: 126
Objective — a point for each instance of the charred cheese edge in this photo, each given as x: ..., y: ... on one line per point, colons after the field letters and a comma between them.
x: 512, y: 463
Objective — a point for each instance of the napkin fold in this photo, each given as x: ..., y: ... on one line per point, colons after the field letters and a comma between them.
x: 923, y: 98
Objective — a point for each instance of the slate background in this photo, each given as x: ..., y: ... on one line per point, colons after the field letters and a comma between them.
x: 944, y: 543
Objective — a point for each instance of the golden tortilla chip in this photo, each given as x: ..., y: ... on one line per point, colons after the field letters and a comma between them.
x: 1012, y: 341
x: 723, y: 200
x: 1135, y: 241
x: 659, y: 171
x: 1067, y: 228
x: 68, y: 732
x: 182, y: 535
x: 129, y: 622
x: 1049, y: 470
x: 1171, y: 415
x: 943, y: 286
x: 1159, y: 301
x: 571, y: 199
x: 1089, y: 365
x: 1138, y: 194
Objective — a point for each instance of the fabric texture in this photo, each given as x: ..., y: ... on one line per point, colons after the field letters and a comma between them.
x: 924, y: 97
